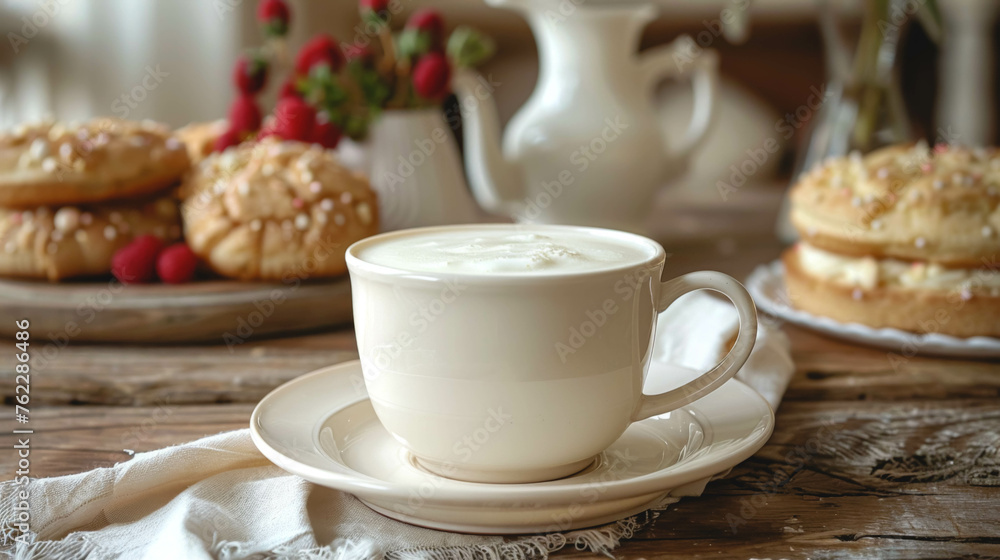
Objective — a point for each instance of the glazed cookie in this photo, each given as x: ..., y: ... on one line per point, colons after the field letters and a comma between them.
x: 69, y: 241
x: 938, y: 204
x: 199, y: 138
x: 276, y: 209
x: 105, y: 158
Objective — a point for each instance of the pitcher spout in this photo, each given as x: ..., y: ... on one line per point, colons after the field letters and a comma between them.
x: 496, y: 183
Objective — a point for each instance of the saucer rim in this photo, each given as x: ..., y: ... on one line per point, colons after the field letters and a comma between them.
x: 470, y: 493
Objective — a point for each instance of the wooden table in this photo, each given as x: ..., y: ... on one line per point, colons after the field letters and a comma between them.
x: 869, y: 458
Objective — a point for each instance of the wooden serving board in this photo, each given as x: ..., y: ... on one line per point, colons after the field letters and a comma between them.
x: 213, y: 311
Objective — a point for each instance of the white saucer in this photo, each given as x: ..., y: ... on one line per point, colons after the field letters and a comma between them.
x: 767, y: 286
x: 321, y: 426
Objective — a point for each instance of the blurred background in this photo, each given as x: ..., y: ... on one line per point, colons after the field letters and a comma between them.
x: 171, y: 61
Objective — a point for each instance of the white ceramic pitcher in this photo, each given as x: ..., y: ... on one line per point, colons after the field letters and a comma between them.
x: 586, y: 148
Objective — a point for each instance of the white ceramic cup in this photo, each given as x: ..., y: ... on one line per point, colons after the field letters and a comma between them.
x: 492, y: 377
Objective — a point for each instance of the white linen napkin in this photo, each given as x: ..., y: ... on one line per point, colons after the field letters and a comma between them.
x: 218, y: 497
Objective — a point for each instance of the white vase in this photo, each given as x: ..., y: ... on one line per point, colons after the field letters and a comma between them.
x: 354, y: 155
x: 416, y: 169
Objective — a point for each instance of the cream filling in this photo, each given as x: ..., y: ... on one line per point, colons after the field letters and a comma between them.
x: 868, y: 272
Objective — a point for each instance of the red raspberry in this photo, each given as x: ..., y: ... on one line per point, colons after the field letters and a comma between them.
x: 289, y: 89
x: 293, y: 119
x: 225, y: 140
x: 326, y: 134
x: 265, y: 131
x: 380, y: 7
x: 250, y: 74
x: 134, y: 263
x: 429, y: 21
x: 431, y: 75
x: 359, y: 53
x: 321, y: 49
x: 244, y: 116
x: 274, y: 15
x: 176, y: 264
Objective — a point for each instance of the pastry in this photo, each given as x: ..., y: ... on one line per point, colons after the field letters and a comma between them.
x: 199, y: 138
x: 914, y: 296
x: 63, y: 242
x: 905, y: 202
x: 275, y: 210
x: 905, y: 237
x: 55, y: 164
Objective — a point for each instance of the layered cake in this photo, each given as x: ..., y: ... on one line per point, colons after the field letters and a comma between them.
x: 906, y: 237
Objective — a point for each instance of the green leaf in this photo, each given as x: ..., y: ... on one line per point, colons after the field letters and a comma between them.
x: 275, y: 28
x: 372, y: 17
x: 373, y: 88
x: 413, y: 43
x: 929, y: 17
x: 468, y: 47
x: 355, y: 127
x: 322, y: 88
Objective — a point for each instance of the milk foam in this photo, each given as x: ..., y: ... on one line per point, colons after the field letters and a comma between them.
x: 506, y: 250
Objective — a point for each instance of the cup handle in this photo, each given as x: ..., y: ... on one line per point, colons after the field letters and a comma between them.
x: 652, y: 405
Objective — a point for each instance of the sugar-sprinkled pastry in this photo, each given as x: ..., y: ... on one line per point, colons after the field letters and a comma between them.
x: 200, y: 137
x: 938, y: 204
x: 53, y: 163
x: 61, y: 242
x: 275, y: 210
x: 905, y: 237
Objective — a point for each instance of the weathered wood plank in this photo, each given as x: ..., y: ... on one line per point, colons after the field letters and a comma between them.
x: 138, y: 375
x: 867, y: 547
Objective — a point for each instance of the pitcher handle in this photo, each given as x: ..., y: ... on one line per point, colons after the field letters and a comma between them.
x: 684, y: 58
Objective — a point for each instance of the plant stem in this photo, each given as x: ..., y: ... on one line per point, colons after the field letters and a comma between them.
x: 864, y: 82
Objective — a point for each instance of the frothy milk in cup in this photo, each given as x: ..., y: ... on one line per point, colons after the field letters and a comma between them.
x: 462, y: 333
x: 504, y: 252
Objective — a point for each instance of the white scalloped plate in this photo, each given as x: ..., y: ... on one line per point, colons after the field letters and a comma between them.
x: 767, y: 286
